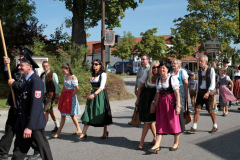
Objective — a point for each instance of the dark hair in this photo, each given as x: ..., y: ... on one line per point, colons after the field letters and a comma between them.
x: 101, y: 70
x: 45, y: 62
x: 67, y: 66
x: 166, y: 65
x: 239, y: 67
x: 215, y: 60
x: 146, y: 56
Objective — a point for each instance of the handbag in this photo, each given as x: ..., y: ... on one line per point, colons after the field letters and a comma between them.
x: 187, y: 115
x: 135, y: 118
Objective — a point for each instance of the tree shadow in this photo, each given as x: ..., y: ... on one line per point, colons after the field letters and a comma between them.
x: 225, y: 146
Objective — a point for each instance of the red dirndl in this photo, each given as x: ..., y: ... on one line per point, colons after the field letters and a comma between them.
x: 236, y: 89
x: 65, y: 101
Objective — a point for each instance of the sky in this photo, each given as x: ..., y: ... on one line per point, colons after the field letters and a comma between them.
x: 149, y: 14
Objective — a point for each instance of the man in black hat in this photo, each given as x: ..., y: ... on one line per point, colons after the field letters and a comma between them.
x: 30, y: 122
x: 16, y: 83
x: 230, y: 73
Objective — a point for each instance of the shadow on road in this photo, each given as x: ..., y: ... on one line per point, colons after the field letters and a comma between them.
x: 226, y: 146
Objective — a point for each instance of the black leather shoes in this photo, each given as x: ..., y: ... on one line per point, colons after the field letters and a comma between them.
x: 84, y: 138
x: 55, y: 129
x: 3, y: 156
x: 35, y: 156
x: 173, y: 149
x: 105, y: 136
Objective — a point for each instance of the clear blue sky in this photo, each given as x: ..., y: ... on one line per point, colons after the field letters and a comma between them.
x: 149, y: 14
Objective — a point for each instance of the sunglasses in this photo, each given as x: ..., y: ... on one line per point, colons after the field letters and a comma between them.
x: 143, y: 59
x: 155, y: 67
x: 96, y: 64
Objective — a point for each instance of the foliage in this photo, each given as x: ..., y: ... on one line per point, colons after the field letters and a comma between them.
x: 207, y: 18
x: 152, y: 45
x: 62, y: 40
x: 37, y: 46
x: 19, y: 24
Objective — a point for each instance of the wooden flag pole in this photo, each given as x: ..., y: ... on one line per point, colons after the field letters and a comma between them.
x: 8, y: 65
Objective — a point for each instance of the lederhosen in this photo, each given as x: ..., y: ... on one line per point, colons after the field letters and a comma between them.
x: 201, y: 92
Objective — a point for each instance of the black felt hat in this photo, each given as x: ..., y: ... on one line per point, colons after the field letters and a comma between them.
x: 28, y: 58
x: 225, y: 60
x: 24, y: 50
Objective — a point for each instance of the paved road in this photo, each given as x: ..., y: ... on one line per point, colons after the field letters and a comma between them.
x: 123, y: 138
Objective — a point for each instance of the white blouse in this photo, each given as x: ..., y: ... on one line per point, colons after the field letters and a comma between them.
x: 165, y: 85
x: 184, y: 74
x: 143, y: 80
x: 103, y: 80
x: 227, y: 78
x: 237, y: 74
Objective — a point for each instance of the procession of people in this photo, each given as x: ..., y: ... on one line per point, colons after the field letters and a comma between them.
x: 162, y: 99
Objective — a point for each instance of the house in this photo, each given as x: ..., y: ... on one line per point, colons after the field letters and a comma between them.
x: 188, y: 62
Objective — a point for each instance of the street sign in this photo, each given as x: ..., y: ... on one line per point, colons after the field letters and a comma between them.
x: 211, y: 44
x: 212, y: 51
x: 197, y: 55
x: 109, y: 38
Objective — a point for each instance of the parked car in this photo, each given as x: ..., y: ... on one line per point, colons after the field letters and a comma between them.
x: 111, y: 69
x: 130, y: 67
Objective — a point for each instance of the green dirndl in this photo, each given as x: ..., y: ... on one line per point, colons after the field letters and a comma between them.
x: 97, y: 111
x: 144, y: 105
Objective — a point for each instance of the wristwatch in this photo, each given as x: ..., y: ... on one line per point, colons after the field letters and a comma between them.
x: 94, y: 94
x: 179, y: 106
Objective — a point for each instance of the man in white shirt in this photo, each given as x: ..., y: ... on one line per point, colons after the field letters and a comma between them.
x: 205, y: 95
x: 144, y: 67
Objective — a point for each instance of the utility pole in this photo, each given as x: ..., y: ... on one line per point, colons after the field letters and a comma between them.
x: 103, y: 34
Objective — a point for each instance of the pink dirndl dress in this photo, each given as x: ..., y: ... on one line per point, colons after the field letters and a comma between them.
x: 167, y: 121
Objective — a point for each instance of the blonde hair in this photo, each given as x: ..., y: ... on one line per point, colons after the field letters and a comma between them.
x: 224, y: 70
x: 192, y: 74
x: 150, y: 74
x: 178, y: 62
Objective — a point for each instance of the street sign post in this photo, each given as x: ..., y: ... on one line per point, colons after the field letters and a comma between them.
x: 212, y: 46
x: 109, y: 38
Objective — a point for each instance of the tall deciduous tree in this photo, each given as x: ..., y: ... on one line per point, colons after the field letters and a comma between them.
x: 87, y: 14
x: 125, y: 47
x: 19, y: 24
x: 207, y: 18
x: 152, y: 45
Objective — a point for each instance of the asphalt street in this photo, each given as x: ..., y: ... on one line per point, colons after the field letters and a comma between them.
x: 124, y: 139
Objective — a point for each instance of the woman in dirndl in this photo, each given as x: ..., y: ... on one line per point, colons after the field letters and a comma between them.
x: 225, y: 94
x: 68, y: 104
x: 169, y: 117
x: 97, y: 110
x: 236, y: 89
x: 183, y: 81
x: 144, y: 100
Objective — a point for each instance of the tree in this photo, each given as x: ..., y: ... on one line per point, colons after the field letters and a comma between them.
x: 152, y: 45
x: 19, y: 24
x: 207, y: 18
x: 87, y: 14
x: 124, y: 49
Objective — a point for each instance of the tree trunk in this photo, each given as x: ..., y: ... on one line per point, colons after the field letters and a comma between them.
x: 78, y: 31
